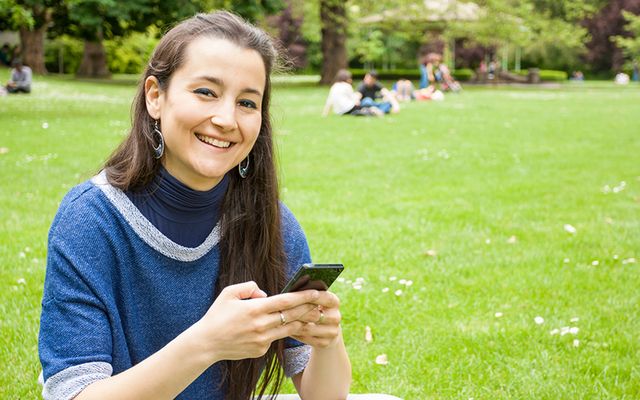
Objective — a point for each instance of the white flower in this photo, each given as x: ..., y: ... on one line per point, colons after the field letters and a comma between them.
x: 431, y: 253
x: 359, y: 280
x: 512, y: 239
x: 487, y: 241
x: 606, y: 189
x: 22, y: 255
x: 566, y: 261
x: 398, y: 292
x: 539, y: 320
x: 4, y: 150
x: 564, y: 330
x: 498, y: 314
x: 340, y: 279
x: 574, y: 330
x: 569, y: 228
x: 408, y: 283
x: 368, y: 336
x: 21, y: 281
x: 615, y: 256
x: 393, y: 278
x: 629, y: 261
x: 385, y: 290
x: 575, y: 319
x: 357, y: 286
x: 554, y: 332
x: 576, y: 343
x: 45, y: 125
x: 382, y: 359
x: 402, y: 281
x: 595, y: 263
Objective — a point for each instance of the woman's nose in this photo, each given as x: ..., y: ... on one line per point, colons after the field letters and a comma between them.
x: 224, y: 116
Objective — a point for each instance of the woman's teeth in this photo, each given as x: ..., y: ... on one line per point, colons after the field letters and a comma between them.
x: 213, y: 142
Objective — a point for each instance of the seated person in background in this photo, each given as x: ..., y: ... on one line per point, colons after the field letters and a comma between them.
x: 343, y: 100
x: 448, y: 82
x: 371, y: 90
x: 403, y: 90
x: 20, y: 78
x: 5, y: 55
x: 428, y: 67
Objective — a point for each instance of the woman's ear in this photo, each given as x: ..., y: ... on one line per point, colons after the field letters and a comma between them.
x: 152, y: 96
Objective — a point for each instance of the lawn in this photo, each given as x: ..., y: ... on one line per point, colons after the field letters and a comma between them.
x: 459, y: 224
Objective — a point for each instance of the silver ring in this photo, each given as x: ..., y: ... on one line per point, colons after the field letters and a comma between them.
x: 321, y: 318
x: 283, y: 320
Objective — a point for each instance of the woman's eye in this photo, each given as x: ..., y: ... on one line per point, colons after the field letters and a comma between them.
x: 248, y: 104
x: 205, y: 92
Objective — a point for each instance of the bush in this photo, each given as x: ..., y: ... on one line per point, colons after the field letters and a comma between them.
x: 129, y: 54
x: 65, y: 48
x: 463, y: 74
x: 548, y: 75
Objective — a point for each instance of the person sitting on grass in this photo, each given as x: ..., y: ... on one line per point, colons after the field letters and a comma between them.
x: 344, y: 101
x: 403, y: 90
x: 20, y: 81
x: 371, y: 91
x: 164, y: 271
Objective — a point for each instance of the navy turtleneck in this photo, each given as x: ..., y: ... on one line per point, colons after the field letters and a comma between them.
x: 184, y: 215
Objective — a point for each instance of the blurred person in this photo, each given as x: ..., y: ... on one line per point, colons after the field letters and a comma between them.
x: 5, y: 55
x: 21, y: 76
x: 371, y: 91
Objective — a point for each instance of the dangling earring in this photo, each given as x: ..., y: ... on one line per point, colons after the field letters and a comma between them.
x: 158, y: 151
x: 244, y: 170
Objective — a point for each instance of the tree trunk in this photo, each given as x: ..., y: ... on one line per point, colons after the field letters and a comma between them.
x: 94, y: 60
x: 32, y: 46
x: 333, y: 17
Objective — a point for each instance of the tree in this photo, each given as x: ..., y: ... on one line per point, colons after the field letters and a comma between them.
x: 333, y: 17
x: 609, y: 22
x: 31, y: 18
x: 630, y: 45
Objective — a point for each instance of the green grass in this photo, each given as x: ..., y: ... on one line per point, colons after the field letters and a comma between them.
x: 460, y: 177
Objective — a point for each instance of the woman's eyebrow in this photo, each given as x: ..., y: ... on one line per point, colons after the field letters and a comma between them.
x: 220, y: 82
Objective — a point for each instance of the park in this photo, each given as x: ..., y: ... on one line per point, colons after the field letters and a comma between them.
x: 490, y: 239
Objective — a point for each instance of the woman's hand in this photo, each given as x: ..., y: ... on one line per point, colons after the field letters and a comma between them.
x: 322, y: 327
x: 243, y: 321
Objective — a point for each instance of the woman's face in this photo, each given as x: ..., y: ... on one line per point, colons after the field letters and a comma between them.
x: 210, y: 115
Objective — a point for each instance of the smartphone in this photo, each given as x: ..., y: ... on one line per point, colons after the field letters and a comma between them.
x: 313, y: 276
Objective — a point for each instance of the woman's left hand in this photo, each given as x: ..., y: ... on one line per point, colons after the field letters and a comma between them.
x: 322, y: 324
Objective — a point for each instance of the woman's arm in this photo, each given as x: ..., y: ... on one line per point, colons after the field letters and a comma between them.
x: 328, y: 373
x: 240, y: 324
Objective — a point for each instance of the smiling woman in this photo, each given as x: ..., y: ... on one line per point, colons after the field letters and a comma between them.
x: 163, y: 271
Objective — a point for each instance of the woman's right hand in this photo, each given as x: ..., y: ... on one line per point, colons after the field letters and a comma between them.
x: 243, y: 321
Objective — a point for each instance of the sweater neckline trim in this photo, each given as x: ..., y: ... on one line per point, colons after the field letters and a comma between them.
x: 145, y: 229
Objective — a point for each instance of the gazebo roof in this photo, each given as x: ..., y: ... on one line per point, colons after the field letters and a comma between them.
x: 429, y: 11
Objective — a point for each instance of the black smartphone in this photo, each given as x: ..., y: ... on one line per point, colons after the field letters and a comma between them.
x: 313, y: 276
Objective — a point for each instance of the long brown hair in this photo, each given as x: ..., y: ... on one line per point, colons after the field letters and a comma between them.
x: 251, y: 243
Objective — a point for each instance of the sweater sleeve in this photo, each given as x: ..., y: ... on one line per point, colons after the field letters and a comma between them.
x: 74, y: 342
x: 297, y: 250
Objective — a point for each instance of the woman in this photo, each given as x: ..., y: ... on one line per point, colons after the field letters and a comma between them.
x: 163, y: 271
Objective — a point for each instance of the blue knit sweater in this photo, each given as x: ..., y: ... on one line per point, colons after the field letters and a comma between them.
x: 117, y: 290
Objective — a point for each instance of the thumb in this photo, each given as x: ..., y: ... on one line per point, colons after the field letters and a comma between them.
x: 245, y: 290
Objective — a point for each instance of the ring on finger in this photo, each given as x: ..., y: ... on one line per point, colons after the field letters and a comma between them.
x: 283, y: 320
x: 321, y: 319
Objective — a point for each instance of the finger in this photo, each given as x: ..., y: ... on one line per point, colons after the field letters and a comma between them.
x: 328, y: 300
x: 298, y: 313
x: 287, y: 301
x: 245, y: 290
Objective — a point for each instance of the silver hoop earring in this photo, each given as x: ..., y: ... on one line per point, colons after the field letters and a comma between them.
x: 158, y: 151
x: 244, y: 170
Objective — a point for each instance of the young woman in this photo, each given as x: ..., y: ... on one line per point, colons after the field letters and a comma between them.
x: 163, y: 271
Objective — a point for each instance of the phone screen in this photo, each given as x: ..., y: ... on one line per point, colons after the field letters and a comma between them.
x: 313, y: 276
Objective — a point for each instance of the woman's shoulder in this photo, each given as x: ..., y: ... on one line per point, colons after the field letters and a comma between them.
x: 83, y: 204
